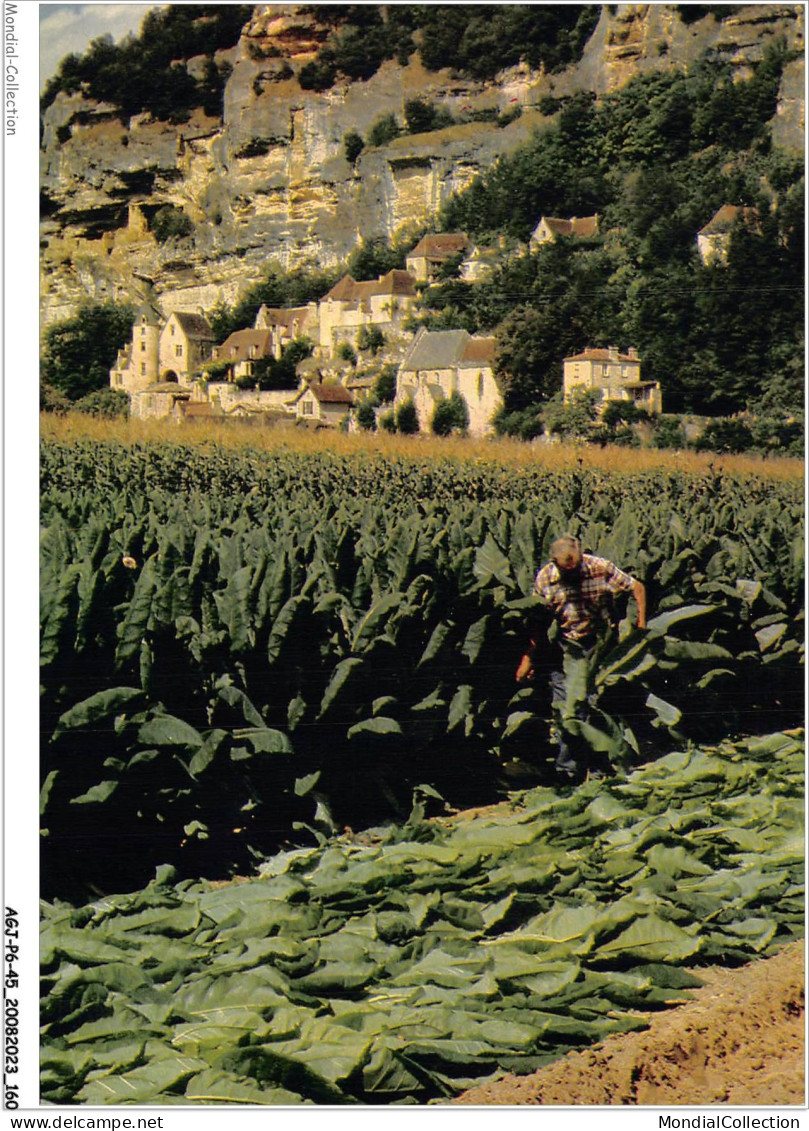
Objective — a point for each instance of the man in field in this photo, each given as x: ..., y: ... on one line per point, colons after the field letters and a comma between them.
x: 579, y: 591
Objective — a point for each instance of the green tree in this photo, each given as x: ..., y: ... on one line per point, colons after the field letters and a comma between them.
x: 573, y: 418
x: 78, y: 353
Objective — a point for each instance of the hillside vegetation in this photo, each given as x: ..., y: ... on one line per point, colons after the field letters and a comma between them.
x: 655, y: 161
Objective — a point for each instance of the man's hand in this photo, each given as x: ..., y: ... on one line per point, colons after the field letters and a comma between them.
x: 639, y: 593
x: 526, y: 669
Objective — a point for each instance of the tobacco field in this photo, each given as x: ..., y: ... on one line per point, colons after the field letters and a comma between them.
x: 250, y: 661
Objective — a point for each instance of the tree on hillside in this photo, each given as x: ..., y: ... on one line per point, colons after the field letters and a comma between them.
x: 78, y: 353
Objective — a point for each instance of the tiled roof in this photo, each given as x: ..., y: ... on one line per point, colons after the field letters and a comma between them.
x: 165, y: 387
x: 602, y: 355
x: 435, y: 349
x: 195, y: 325
x: 479, y: 351
x: 395, y: 282
x: 238, y: 345
x: 198, y: 408
x: 581, y: 226
x: 342, y: 291
x: 326, y: 394
x: 440, y: 246
x: 723, y: 220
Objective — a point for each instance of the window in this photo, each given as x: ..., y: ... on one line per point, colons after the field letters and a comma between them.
x: 143, y: 369
x: 480, y: 386
x: 143, y: 329
x: 308, y: 409
x: 171, y: 329
x: 178, y: 351
x: 143, y: 347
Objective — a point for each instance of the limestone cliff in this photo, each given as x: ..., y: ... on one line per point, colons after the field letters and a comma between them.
x: 270, y: 179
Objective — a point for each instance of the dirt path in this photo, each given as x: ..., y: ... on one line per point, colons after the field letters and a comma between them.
x: 739, y: 1042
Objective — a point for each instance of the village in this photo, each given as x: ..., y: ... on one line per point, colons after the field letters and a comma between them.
x: 173, y: 367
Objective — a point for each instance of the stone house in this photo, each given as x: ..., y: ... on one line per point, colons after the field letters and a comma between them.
x: 441, y: 362
x: 227, y: 400
x: 158, y: 400
x: 186, y: 343
x: 285, y: 324
x: 432, y: 252
x: 713, y: 240
x: 242, y: 349
x: 137, y: 364
x: 350, y: 305
x: 616, y: 376
x: 162, y: 350
x: 551, y: 228
x: 323, y: 403
x: 480, y: 263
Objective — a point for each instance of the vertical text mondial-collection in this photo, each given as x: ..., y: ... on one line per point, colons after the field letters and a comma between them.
x: 12, y: 71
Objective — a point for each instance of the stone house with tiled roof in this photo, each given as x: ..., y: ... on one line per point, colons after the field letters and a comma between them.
x: 614, y: 375
x: 551, y: 228
x: 158, y: 399
x: 186, y: 343
x: 713, y: 240
x: 162, y: 349
x: 242, y: 349
x: 429, y: 255
x: 318, y: 401
x: 349, y: 305
x: 441, y: 362
x: 288, y: 323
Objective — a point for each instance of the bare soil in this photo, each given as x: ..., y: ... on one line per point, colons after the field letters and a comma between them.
x: 740, y: 1041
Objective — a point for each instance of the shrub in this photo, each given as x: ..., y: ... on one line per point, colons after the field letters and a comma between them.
x: 366, y: 417
x: 725, y: 436
x: 51, y: 399
x: 573, y: 418
x: 509, y: 116
x: 387, y: 421
x: 319, y: 74
x: 407, y: 419
x: 450, y: 415
x: 170, y: 221
x: 525, y: 424
x: 353, y: 146
x: 346, y: 352
x: 669, y: 433
x: 385, y: 384
x: 370, y: 338
x: 383, y: 130
x: 106, y: 403
x: 422, y: 116
x: 246, y: 382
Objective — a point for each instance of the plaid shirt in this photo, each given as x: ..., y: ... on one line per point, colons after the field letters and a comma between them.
x: 582, y: 604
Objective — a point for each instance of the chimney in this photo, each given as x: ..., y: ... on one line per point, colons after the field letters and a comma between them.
x: 613, y: 353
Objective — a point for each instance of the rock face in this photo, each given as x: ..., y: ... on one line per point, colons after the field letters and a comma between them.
x: 270, y: 181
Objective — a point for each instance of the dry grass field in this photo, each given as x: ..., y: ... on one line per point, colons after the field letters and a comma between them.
x: 290, y: 437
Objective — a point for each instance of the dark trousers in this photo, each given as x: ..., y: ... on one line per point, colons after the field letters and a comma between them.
x: 574, y: 755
